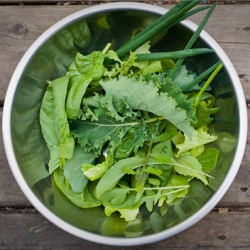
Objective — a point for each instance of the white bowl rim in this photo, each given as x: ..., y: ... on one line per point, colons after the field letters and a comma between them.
x: 120, y: 241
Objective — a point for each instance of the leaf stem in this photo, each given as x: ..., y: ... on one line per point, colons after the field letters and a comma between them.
x: 106, y: 49
x: 209, y: 80
x: 146, y: 159
x: 159, y: 188
x: 189, y: 85
x: 160, y: 118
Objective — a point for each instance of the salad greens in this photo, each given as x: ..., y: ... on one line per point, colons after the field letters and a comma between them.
x: 130, y: 127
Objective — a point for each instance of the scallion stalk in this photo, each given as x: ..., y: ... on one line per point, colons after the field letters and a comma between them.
x: 198, y: 79
x: 192, y: 40
x: 156, y: 27
x: 172, y: 54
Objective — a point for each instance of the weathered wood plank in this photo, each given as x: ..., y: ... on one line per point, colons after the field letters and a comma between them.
x: 18, y: 30
x: 10, y: 193
x: 29, y: 230
x: 237, y: 195
x: 17, y: 33
x: 89, y: 2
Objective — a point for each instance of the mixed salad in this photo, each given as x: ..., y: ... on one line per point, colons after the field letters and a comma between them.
x: 130, y: 127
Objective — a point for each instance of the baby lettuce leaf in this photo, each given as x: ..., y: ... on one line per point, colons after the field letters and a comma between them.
x: 94, y: 172
x: 115, y: 196
x: 85, y: 199
x: 142, y: 95
x: 127, y: 210
x: 72, y: 169
x: 200, y: 137
x: 54, y: 123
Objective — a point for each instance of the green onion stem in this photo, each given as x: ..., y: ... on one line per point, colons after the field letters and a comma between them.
x: 198, y: 79
x: 154, y: 28
x: 188, y: 14
x: 171, y: 55
x: 192, y: 40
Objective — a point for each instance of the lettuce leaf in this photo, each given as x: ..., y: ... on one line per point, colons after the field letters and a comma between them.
x: 199, y: 137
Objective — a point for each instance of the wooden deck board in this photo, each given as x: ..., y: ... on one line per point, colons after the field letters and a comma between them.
x: 20, y: 26
x: 30, y: 230
x: 229, y: 26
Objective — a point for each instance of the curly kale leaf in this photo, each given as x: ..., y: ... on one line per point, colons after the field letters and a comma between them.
x: 142, y: 95
x: 93, y: 135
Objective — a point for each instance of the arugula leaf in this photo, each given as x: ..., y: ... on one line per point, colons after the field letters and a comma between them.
x: 194, y: 168
x: 144, y: 96
x: 54, y: 123
x: 172, y: 194
x: 186, y: 165
x: 113, y: 175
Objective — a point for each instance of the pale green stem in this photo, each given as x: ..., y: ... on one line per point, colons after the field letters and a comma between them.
x: 146, y: 160
x: 209, y: 80
x: 106, y: 49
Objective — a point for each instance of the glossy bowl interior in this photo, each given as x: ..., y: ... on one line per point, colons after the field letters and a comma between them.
x: 49, y: 57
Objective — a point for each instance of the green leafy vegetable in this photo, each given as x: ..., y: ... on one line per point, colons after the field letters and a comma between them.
x: 72, y: 169
x: 86, y: 69
x: 142, y: 95
x: 128, y: 129
x: 54, y: 123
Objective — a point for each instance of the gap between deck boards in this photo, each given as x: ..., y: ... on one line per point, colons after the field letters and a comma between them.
x: 31, y: 209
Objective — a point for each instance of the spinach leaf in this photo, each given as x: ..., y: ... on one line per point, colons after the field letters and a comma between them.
x: 208, y: 159
x: 72, y: 169
x: 84, y: 70
x: 54, y: 123
x: 85, y: 199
